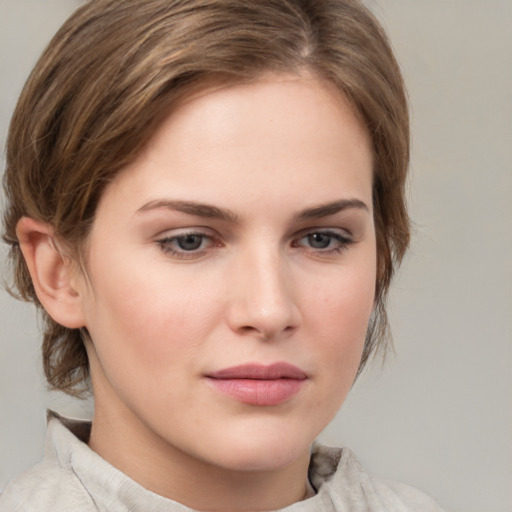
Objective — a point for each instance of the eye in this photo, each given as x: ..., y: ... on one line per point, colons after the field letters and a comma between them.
x: 327, y: 241
x: 189, y: 242
x: 319, y: 240
x: 186, y: 245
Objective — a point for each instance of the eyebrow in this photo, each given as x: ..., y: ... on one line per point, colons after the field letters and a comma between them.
x: 214, y: 212
x: 324, y: 210
x: 192, y: 208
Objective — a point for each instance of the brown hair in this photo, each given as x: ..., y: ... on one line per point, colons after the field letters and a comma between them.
x: 114, y: 69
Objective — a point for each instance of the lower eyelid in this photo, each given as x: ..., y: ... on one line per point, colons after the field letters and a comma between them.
x: 340, y: 237
x: 167, y: 249
x: 167, y: 242
x: 175, y: 238
x: 168, y: 245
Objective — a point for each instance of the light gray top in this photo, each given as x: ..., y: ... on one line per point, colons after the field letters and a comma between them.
x: 72, y: 477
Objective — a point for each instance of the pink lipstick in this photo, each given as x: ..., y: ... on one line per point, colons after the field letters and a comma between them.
x: 257, y: 384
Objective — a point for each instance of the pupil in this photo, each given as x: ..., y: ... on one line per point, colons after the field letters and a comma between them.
x: 190, y: 242
x: 319, y: 240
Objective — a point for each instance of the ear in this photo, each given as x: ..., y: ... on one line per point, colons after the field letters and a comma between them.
x: 53, y: 275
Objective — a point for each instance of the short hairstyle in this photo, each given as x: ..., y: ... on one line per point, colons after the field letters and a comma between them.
x: 116, y: 67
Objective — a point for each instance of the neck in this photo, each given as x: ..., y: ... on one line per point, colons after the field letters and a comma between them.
x: 129, y: 445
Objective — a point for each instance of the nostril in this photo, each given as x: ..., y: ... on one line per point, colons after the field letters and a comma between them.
x: 248, y: 329
x: 262, y: 333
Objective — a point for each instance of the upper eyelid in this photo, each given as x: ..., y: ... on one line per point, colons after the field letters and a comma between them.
x: 166, y: 244
x: 212, y: 234
x: 327, y: 230
x: 178, y: 232
x: 341, y: 238
x: 171, y: 238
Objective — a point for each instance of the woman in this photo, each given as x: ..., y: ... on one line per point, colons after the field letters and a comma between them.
x: 206, y: 201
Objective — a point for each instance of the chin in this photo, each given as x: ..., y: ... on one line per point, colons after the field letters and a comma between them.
x: 264, y: 449
x: 242, y: 459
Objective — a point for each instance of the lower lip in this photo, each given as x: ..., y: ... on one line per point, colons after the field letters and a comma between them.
x: 258, y: 392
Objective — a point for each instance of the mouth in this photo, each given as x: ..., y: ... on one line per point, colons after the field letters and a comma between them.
x: 257, y: 384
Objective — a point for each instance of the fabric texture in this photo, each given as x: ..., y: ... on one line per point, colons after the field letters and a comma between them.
x: 72, y: 477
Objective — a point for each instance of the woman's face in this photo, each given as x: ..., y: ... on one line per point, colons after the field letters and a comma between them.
x: 231, y: 276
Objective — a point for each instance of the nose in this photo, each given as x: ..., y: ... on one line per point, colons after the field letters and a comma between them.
x: 263, y: 299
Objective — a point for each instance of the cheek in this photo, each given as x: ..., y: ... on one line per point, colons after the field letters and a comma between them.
x: 339, y: 312
x: 145, y: 335
x: 338, y: 324
x: 149, y: 332
x: 344, y: 301
x: 144, y: 315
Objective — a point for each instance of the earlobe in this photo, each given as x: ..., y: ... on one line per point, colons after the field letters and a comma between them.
x: 52, y: 273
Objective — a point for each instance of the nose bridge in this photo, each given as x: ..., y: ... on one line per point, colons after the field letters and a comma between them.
x: 264, y: 301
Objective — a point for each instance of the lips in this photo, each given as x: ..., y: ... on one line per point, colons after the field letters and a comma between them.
x: 257, y: 384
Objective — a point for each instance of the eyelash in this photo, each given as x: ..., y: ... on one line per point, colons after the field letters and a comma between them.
x: 343, y: 241
x: 166, y: 244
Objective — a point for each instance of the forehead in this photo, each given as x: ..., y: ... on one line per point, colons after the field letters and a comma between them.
x: 230, y: 109
x: 278, y: 135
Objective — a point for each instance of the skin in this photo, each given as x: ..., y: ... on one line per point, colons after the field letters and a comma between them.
x: 259, y: 288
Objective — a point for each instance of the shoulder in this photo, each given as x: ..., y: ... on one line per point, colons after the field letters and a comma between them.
x: 45, y: 487
x: 51, y: 485
x: 338, y: 473
x: 412, y: 499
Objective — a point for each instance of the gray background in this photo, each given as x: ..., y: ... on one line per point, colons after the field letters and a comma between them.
x: 438, y: 415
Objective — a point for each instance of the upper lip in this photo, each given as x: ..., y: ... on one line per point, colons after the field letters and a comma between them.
x: 259, y: 371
